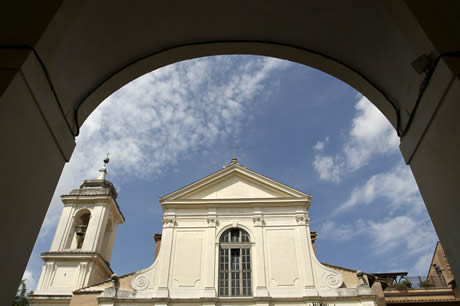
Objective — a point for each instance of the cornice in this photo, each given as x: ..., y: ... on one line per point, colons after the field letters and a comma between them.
x: 76, y: 254
x: 59, y: 298
x: 254, y: 202
x: 248, y: 299
x: 238, y: 169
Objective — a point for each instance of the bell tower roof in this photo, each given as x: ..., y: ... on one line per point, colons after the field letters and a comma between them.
x: 96, y: 187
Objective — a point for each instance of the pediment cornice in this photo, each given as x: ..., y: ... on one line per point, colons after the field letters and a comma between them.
x: 259, y: 188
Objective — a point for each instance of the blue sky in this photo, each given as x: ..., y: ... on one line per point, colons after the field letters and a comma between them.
x: 294, y: 124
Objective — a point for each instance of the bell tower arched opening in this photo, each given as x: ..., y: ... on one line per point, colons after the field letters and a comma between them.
x: 79, y: 228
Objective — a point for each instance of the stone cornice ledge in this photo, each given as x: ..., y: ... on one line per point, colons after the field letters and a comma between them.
x: 210, y: 202
x: 128, y: 297
x: 75, y: 254
x: 49, y: 297
x: 345, y: 292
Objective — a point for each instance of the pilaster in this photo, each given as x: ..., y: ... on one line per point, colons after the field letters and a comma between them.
x: 169, y: 223
x: 210, y: 255
x: 94, y: 228
x: 260, y: 283
x: 307, y: 270
x: 62, y: 229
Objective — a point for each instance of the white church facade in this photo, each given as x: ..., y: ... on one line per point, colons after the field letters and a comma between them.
x: 234, y: 237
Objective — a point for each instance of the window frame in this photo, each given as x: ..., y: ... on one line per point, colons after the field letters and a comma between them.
x: 229, y: 269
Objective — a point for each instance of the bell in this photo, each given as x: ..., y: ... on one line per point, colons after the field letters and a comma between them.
x: 80, y: 230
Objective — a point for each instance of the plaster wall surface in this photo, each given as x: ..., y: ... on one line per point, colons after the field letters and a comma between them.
x: 87, y: 299
x: 61, y: 277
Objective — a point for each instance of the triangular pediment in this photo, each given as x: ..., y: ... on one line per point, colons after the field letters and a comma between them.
x: 234, y: 182
x: 235, y: 186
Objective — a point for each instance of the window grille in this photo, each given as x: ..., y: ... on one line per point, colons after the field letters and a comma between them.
x: 235, y: 263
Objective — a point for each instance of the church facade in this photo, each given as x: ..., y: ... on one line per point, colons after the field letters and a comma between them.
x: 234, y: 237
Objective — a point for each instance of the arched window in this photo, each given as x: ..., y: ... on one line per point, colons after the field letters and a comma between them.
x: 234, y: 263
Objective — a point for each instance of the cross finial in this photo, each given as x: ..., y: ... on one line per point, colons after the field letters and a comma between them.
x: 235, y: 148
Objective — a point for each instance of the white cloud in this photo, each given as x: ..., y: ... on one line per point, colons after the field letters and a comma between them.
x: 391, y: 233
x: 396, y: 187
x: 411, y: 236
x: 341, y: 232
x: 411, y: 231
x: 371, y: 134
x: 422, y: 265
x: 162, y: 117
x: 30, y: 281
x: 320, y: 145
x: 406, y: 226
x: 396, y: 191
x: 327, y: 168
x: 416, y: 236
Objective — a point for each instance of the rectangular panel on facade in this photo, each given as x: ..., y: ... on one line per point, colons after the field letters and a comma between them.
x: 187, y: 258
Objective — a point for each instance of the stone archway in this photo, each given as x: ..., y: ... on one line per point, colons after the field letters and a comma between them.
x: 306, y: 57
x: 61, y: 59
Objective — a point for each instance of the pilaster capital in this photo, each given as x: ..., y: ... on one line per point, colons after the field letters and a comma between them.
x: 212, y: 221
x: 302, y: 219
x: 258, y: 220
x: 169, y: 221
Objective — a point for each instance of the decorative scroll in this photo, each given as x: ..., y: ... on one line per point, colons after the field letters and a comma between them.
x: 143, y: 280
x: 333, y: 279
x: 140, y: 282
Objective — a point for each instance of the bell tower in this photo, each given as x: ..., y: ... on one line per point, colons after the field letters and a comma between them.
x: 82, y: 246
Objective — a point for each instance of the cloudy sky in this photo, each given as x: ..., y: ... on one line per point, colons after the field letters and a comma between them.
x: 292, y: 123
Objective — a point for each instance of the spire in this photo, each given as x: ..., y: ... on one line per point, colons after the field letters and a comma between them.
x: 103, y: 170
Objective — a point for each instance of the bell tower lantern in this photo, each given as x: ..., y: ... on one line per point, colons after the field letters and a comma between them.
x: 82, y: 246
